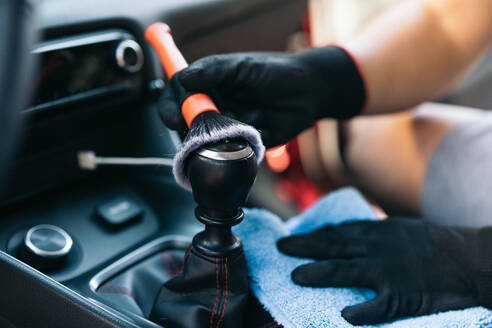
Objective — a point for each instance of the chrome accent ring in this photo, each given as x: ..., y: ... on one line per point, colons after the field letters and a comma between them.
x: 120, y: 56
x: 226, y: 156
x: 48, y: 254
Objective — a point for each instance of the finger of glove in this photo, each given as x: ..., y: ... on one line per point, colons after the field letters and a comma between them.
x: 338, y: 273
x: 170, y: 110
x: 251, y: 114
x: 380, y: 309
x: 320, y: 245
x: 386, y: 307
x: 210, y: 72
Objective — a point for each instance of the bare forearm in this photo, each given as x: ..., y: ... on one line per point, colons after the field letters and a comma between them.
x: 387, y: 156
x: 414, y: 51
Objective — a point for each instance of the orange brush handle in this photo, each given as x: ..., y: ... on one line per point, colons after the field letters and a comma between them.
x: 158, y: 35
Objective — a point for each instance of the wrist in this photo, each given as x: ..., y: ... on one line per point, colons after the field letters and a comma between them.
x: 471, y: 250
x: 342, y: 94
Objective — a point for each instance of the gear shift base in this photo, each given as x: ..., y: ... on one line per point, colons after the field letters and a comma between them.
x: 209, y: 292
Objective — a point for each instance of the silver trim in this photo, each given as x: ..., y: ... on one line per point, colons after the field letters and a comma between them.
x: 48, y: 254
x: 128, y: 260
x: 81, y: 40
x: 120, y: 56
x: 226, y: 156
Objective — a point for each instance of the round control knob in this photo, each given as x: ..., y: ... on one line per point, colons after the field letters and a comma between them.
x: 46, y: 246
x: 129, y: 56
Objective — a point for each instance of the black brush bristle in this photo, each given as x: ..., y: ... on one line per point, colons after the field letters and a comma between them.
x: 209, y: 123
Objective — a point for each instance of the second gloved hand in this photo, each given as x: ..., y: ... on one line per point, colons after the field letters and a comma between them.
x: 415, y: 268
x: 280, y: 94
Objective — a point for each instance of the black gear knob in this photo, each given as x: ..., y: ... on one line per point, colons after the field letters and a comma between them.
x: 221, y: 176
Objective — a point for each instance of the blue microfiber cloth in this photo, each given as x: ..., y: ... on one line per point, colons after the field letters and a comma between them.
x: 295, y: 306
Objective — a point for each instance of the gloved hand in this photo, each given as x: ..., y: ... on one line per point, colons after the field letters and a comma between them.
x: 415, y: 268
x: 280, y: 94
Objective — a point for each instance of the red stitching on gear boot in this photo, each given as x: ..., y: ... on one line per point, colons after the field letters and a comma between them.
x: 183, y: 265
x: 217, y: 296
x: 113, y: 289
x: 164, y: 261
x: 172, y: 259
x: 225, y: 298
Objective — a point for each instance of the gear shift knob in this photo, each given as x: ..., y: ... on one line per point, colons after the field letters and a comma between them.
x: 221, y: 176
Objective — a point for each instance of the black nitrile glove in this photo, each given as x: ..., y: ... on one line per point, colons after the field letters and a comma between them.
x: 280, y: 94
x: 415, y: 268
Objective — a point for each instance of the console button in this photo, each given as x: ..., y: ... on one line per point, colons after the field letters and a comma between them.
x: 46, y: 246
x: 120, y: 211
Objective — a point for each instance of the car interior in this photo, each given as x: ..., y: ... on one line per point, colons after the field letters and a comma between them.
x: 95, y: 85
x: 92, y: 83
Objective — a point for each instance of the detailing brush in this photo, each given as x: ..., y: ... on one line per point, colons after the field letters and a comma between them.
x: 206, y: 125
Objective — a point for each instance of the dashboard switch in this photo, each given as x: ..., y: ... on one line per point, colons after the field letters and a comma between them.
x: 119, y: 212
x: 46, y: 246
